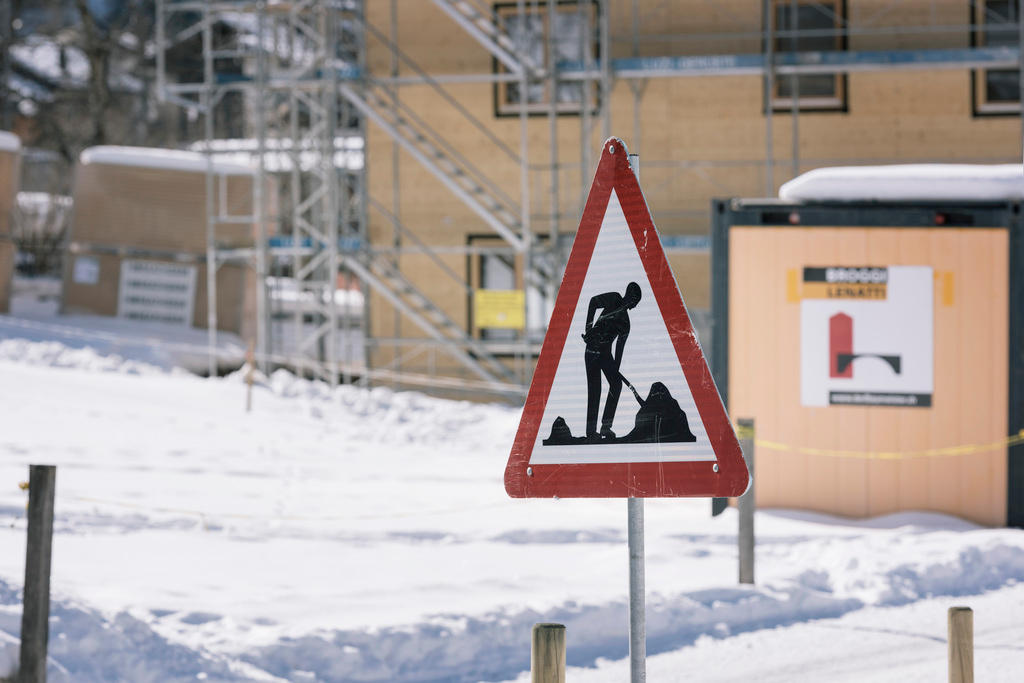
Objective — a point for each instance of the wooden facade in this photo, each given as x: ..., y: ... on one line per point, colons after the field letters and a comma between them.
x: 150, y: 206
x: 698, y: 137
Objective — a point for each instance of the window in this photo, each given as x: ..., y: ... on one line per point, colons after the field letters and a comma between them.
x: 996, y: 91
x: 497, y: 271
x: 819, y: 29
x: 494, y: 266
x: 575, y: 31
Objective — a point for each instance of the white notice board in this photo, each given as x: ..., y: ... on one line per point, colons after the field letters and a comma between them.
x: 158, y: 292
x: 866, y: 336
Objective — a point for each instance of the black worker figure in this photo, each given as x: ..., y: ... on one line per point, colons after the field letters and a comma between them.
x: 611, y: 327
x: 660, y: 419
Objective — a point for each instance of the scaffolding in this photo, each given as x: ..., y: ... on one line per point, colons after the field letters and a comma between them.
x: 310, y: 97
x: 284, y: 62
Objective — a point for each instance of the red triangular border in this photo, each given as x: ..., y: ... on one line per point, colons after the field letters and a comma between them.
x: 621, y: 480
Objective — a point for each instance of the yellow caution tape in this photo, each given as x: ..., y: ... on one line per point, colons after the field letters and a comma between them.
x: 23, y: 485
x: 945, y: 452
x: 744, y: 431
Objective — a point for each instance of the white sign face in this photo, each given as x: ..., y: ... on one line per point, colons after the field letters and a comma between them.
x: 587, y: 380
x: 158, y: 292
x: 86, y: 270
x: 866, y: 336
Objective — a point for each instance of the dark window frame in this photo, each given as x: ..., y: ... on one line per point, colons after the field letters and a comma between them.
x: 474, y: 277
x: 980, y: 107
x: 782, y: 105
x: 504, y: 110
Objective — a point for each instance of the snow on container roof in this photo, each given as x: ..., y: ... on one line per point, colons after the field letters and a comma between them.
x: 908, y: 182
x: 9, y: 142
x: 166, y: 159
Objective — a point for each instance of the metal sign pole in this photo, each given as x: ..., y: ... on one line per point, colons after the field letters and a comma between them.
x: 635, y: 536
x: 637, y: 617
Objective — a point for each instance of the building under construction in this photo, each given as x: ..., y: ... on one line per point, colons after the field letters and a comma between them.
x: 439, y: 152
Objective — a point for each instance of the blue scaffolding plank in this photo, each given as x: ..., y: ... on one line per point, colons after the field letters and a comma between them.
x: 686, y: 242
x: 801, y: 62
x: 289, y: 242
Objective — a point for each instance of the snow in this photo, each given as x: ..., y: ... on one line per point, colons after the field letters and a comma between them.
x: 288, y: 298
x: 34, y: 333
x: 893, y: 644
x: 63, y: 65
x: 42, y: 202
x: 164, y: 159
x: 908, y: 182
x: 364, y: 535
x: 43, y: 55
x: 35, y: 303
x: 278, y: 154
x: 31, y: 93
x: 9, y: 142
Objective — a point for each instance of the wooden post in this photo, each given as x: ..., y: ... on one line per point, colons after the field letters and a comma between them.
x: 250, y: 359
x: 35, y: 615
x: 547, y: 654
x: 745, y: 504
x: 961, y: 645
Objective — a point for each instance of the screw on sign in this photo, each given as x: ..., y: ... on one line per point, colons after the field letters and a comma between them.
x: 619, y: 314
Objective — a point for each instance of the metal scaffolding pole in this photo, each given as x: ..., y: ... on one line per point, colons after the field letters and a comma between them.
x: 258, y: 203
x: 794, y: 94
x: 587, y: 96
x: 553, y: 83
x: 636, y: 86
x: 209, y: 103
x: 524, y: 188
x: 769, y: 95
x: 606, y: 72
x: 360, y: 217
x: 334, y: 198
x: 395, y: 176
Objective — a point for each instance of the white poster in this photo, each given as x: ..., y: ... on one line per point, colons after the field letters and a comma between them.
x: 86, y: 270
x: 866, y: 336
x: 157, y: 292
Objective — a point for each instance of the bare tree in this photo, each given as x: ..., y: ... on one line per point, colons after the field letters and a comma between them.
x: 114, y: 101
x: 39, y: 226
x: 97, y: 47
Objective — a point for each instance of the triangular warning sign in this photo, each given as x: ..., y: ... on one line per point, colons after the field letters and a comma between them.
x: 622, y: 402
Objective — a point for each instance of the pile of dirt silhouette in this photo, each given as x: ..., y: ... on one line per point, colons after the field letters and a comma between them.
x: 561, y: 435
x: 659, y: 420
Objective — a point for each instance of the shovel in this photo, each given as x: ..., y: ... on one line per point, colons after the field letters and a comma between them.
x: 631, y: 388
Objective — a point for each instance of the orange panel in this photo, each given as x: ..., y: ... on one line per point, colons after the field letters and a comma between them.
x: 969, y: 376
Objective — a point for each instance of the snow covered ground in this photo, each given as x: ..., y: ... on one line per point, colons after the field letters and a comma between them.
x: 107, y: 340
x: 35, y: 303
x: 346, y: 535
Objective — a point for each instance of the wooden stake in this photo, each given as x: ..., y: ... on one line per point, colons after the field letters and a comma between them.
x: 547, y: 655
x: 745, y: 504
x: 961, y: 645
x: 35, y: 615
x: 250, y: 360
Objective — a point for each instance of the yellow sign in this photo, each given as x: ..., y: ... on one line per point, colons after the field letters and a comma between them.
x: 499, y: 308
